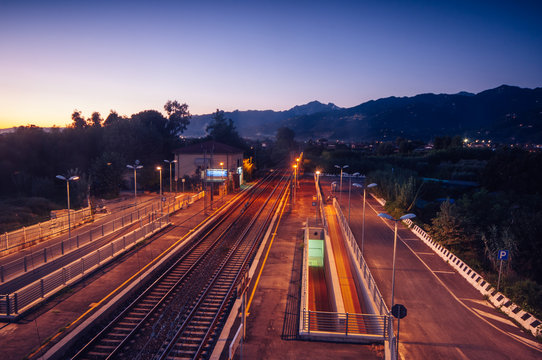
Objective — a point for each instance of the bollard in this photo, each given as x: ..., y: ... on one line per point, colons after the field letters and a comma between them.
x: 8, y: 308
x: 42, y: 288
x: 45, y: 255
x: 102, y: 230
x: 62, y: 247
x: 25, y: 264
x: 2, y: 273
x: 77, y: 241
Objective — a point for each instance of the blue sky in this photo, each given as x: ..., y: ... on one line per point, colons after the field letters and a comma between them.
x: 57, y: 56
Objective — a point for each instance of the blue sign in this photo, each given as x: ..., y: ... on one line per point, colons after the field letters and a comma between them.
x: 503, y: 254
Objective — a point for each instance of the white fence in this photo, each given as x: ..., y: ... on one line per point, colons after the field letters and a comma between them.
x: 500, y: 301
x: 16, y: 303
x: 30, y: 234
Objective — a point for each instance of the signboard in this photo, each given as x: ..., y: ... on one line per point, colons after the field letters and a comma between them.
x: 240, y: 170
x: 503, y: 254
x: 215, y: 173
x: 399, y: 311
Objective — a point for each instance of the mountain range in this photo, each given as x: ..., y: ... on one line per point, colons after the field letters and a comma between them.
x: 506, y: 113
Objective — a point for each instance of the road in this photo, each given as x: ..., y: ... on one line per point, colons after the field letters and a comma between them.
x: 447, y: 318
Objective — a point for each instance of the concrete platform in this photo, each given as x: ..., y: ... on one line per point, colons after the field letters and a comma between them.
x: 273, y: 320
x: 63, y: 313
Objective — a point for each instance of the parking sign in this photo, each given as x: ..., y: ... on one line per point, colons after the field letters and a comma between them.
x: 503, y: 254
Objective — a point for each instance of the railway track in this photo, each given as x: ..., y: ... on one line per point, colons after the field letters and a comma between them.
x: 179, y: 314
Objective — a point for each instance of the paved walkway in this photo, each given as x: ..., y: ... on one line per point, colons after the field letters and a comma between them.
x: 273, y: 323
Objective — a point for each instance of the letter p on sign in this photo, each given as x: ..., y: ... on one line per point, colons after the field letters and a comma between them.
x: 503, y: 254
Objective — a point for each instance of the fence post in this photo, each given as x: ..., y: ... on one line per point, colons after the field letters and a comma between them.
x: 346, y: 328
x: 44, y: 255
x: 2, y: 273
x: 25, y: 264
x: 62, y: 247
x: 42, y: 288
x: 77, y: 240
x: 8, y: 308
x: 112, y: 250
x: 309, y: 321
x: 124, y: 242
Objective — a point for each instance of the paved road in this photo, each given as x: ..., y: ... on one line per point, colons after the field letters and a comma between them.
x: 447, y: 318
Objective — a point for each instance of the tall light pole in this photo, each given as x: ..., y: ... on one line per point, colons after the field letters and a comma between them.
x: 159, y: 168
x: 295, y: 180
x: 388, y: 217
x: 317, y: 177
x: 341, y: 184
x: 135, y: 167
x: 349, y: 193
x: 67, y: 180
x: 363, y: 221
x: 170, y: 162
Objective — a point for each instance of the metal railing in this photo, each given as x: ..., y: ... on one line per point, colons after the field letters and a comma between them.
x: 346, y: 324
x: 30, y: 234
x: 144, y: 213
x: 15, y: 303
x: 376, y: 296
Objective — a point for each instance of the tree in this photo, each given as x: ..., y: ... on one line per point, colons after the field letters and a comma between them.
x: 223, y: 130
x: 96, y: 119
x: 284, y: 143
x: 79, y: 121
x: 446, y: 226
x: 178, y: 116
x: 112, y: 118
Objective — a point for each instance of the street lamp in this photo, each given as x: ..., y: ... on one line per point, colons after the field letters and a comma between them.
x: 67, y: 180
x: 170, y: 162
x: 341, y: 185
x: 317, y: 177
x: 363, y: 222
x: 221, y: 165
x: 136, y: 167
x: 388, y: 217
x: 159, y: 168
x: 349, y: 191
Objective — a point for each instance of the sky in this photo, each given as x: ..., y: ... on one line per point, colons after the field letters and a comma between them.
x: 130, y: 56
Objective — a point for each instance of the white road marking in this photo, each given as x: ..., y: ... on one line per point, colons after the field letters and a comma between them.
x: 442, y: 272
x: 531, y: 344
x: 494, y: 317
x: 461, y: 353
x: 426, y: 253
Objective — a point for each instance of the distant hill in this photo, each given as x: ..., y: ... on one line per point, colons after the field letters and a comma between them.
x: 259, y: 123
x: 506, y: 113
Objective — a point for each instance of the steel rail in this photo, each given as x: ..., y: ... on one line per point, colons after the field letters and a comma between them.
x: 237, y: 260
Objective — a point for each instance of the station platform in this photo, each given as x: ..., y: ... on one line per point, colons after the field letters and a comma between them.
x: 274, y: 310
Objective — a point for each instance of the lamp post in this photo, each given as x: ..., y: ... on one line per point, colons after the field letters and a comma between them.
x: 135, y: 167
x: 349, y: 193
x: 363, y: 221
x: 317, y: 177
x: 170, y: 162
x: 295, y: 180
x: 159, y: 168
x: 388, y: 217
x: 341, y: 183
x: 67, y: 180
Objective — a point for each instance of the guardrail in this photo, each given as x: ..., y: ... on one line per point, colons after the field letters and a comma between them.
x: 376, y: 296
x: 500, y: 301
x: 143, y: 214
x: 346, y: 324
x: 42, y: 230
x: 14, y: 304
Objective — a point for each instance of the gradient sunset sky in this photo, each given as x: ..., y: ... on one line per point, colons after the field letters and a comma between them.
x: 57, y: 56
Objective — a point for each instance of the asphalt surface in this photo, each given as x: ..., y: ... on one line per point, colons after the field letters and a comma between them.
x: 447, y: 318
x: 273, y: 320
x: 63, y: 312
